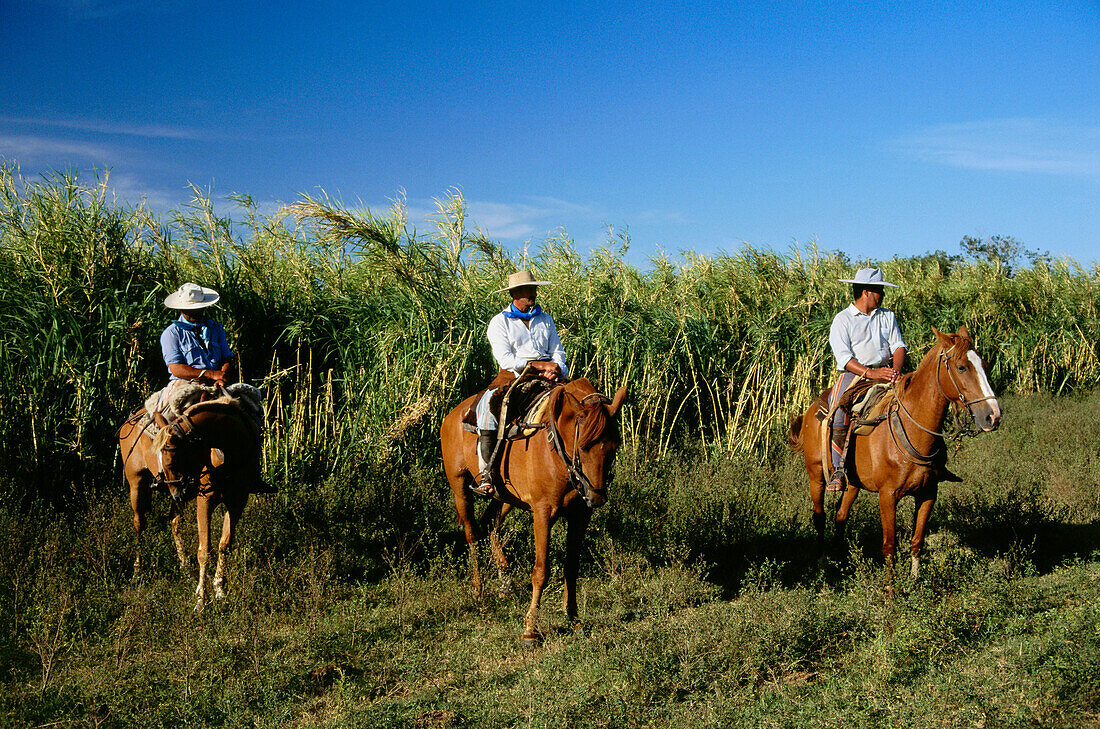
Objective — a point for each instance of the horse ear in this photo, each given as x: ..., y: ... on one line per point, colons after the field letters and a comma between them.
x: 945, y: 339
x: 964, y: 332
x: 217, y: 457
x: 159, y: 419
x: 617, y: 401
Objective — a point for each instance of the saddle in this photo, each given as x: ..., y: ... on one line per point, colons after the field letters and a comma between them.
x: 866, y: 402
x: 247, y: 397
x: 518, y: 404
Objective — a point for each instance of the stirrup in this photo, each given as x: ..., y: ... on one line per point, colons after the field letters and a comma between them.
x: 836, y: 482
x: 484, y: 487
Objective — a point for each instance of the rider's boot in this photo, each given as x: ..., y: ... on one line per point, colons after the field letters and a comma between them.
x: 838, y: 453
x: 486, y: 444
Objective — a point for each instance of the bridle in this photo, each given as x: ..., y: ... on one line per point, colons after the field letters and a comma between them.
x: 577, y: 477
x: 182, y: 429
x: 958, y: 403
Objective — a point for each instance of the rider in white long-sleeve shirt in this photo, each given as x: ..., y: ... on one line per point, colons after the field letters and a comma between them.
x: 866, y: 343
x: 520, y: 335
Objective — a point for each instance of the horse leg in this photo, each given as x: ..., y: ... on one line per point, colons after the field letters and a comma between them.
x: 922, y: 508
x: 499, y: 511
x: 541, y: 519
x: 842, y: 512
x: 233, y: 511
x: 175, y: 513
x: 203, y: 506
x: 817, y: 498
x: 140, y: 501
x: 465, y: 508
x: 577, y: 520
x: 887, y: 509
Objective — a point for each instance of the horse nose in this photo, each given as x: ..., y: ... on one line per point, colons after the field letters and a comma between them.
x: 991, y: 420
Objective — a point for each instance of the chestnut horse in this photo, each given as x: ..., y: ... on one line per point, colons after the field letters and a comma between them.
x: 208, y: 453
x: 906, y: 454
x: 569, y: 478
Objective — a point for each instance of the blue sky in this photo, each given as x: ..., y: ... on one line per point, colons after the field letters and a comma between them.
x: 877, y: 129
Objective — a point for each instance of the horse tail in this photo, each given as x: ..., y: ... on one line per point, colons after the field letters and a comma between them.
x: 794, y: 435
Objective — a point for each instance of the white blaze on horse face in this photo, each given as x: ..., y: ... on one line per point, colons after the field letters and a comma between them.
x: 987, y: 389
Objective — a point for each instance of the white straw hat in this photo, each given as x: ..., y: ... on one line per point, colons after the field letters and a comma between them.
x: 191, y: 296
x: 868, y: 277
x: 521, y: 278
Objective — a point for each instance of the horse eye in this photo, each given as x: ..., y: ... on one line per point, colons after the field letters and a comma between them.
x: 962, y: 368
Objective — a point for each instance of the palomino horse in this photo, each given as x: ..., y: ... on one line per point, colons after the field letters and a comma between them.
x: 564, y: 469
x: 905, y: 455
x: 208, y: 453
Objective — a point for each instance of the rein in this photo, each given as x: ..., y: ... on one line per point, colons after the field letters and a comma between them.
x: 577, y: 477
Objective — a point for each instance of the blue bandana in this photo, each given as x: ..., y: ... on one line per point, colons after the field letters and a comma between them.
x: 514, y: 313
x: 201, y: 328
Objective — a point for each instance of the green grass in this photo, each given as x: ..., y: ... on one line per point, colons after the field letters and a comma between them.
x: 701, y: 605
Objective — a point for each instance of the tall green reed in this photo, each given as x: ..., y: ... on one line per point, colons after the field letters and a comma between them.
x: 364, y: 332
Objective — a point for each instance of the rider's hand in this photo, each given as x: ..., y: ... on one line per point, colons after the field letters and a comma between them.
x: 883, y: 374
x: 548, y: 370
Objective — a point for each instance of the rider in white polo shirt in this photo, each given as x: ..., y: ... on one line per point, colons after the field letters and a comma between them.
x: 866, y: 343
x: 523, y: 334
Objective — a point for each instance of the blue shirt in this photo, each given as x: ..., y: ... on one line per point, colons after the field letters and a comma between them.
x: 181, y: 346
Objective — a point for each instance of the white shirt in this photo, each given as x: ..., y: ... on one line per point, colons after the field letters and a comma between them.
x: 869, y: 339
x: 515, y: 344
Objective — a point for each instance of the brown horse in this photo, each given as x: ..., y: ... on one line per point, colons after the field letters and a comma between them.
x: 906, y: 454
x: 568, y: 478
x: 208, y: 453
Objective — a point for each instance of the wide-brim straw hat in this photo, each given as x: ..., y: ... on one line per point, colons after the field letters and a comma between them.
x: 868, y: 277
x: 521, y: 278
x: 191, y: 296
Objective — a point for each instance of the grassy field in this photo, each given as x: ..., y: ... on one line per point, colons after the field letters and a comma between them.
x: 701, y: 596
x: 712, y: 614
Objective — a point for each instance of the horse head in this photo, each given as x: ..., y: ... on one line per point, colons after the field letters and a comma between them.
x: 179, y: 454
x: 962, y: 378
x: 590, y: 433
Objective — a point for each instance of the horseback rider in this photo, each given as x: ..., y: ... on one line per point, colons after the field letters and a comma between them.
x: 520, y: 335
x: 194, y: 346
x: 195, y: 349
x: 866, y: 344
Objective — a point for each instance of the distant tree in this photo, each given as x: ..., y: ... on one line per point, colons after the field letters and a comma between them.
x: 1002, y: 249
x: 940, y: 259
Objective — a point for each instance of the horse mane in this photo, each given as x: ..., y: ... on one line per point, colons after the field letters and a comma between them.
x: 594, y: 427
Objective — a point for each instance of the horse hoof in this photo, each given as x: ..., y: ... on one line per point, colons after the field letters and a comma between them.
x: 532, y: 641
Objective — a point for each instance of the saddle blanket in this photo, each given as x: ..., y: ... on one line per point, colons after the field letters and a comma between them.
x: 174, y: 400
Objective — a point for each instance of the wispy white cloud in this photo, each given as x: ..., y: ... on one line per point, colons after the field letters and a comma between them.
x: 33, y: 149
x: 1010, y: 145
x: 516, y: 221
x: 151, y: 131
x: 534, y: 217
x: 133, y: 190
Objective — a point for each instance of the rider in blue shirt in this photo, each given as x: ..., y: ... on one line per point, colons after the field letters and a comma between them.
x: 195, y: 349
x: 194, y: 346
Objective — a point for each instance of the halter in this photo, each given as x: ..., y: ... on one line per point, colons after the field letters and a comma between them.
x: 577, y: 477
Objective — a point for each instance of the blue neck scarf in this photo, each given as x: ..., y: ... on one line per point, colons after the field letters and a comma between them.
x: 201, y: 328
x: 514, y: 313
